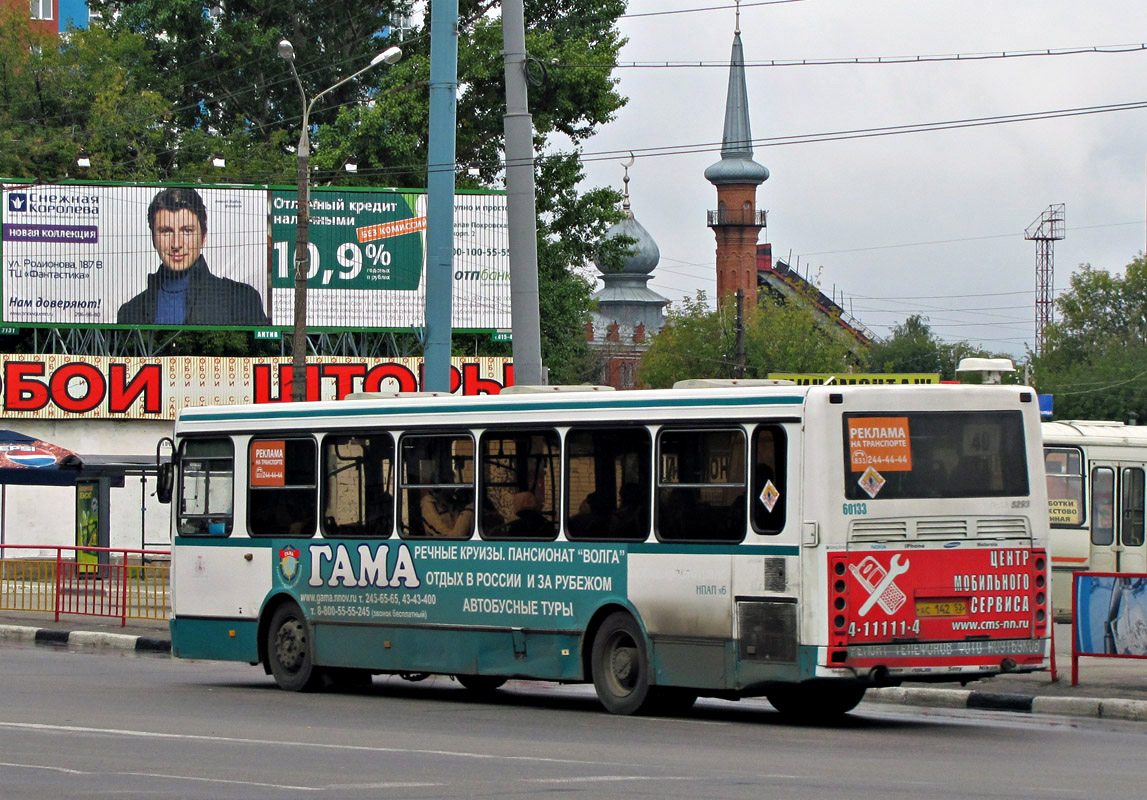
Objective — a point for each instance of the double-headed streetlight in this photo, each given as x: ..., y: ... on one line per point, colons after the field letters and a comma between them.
x: 302, y: 257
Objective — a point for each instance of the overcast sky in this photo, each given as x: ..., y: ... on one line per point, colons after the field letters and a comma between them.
x: 922, y: 223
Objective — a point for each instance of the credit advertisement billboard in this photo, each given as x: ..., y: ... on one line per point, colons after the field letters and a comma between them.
x: 367, y: 262
x: 170, y: 256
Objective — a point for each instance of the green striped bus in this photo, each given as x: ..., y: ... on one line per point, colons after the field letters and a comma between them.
x: 718, y: 539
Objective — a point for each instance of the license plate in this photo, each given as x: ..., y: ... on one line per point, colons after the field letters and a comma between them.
x: 941, y: 608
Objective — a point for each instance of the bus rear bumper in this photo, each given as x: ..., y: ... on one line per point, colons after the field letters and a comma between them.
x: 887, y: 664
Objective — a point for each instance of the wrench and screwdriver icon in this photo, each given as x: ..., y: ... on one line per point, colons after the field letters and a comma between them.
x: 880, y: 584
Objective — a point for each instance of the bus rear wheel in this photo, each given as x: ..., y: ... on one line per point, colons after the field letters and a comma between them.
x: 816, y: 701
x: 671, y: 701
x: 620, y: 666
x: 480, y: 684
x: 289, y: 651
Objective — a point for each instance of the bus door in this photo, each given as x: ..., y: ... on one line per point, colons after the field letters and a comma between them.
x: 1117, y: 521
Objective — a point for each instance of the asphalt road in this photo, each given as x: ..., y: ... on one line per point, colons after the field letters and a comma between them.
x: 91, y: 723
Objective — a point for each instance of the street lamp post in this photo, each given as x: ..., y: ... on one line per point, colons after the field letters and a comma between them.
x: 303, y: 216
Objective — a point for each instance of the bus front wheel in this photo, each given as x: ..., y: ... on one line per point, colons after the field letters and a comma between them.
x: 289, y: 651
x: 620, y: 666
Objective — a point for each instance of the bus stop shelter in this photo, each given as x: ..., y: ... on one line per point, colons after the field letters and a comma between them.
x: 28, y: 461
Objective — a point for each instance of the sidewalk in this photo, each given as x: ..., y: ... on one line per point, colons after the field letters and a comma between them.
x: 1110, y: 688
x: 83, y: 630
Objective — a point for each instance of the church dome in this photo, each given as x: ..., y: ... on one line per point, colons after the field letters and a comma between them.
x: 643, y: 252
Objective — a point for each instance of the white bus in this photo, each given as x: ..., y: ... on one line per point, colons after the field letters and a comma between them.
x: 1095, y: 488
x: 800, y: 543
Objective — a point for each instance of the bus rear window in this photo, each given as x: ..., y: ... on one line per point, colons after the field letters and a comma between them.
x: 937, y: 454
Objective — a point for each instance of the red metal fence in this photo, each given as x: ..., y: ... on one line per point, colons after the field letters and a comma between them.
x: 94, y: 581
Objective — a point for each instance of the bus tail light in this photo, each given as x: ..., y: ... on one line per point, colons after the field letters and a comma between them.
x: 1042, y: 594
x: 838, y: 601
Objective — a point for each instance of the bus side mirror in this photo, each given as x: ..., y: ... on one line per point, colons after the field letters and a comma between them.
x: 165, y: 482
x: 164, y: 470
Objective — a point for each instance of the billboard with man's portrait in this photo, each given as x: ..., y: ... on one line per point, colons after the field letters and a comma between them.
x: 134, y: 255
x: 178, y: 256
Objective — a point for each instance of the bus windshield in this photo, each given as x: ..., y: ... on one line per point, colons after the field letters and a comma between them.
x: 894, y: 456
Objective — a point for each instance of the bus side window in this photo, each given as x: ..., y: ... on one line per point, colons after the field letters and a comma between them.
x: 1103, y: 506
x: 358, y: 485
x: 1064, y: 469
x: 521, y: 473
x: 206, y: 487
x: 608, y: 486
x: 701, y: 485
x: 436, y: 486
x: 769, y: 484
x: 282, y: 495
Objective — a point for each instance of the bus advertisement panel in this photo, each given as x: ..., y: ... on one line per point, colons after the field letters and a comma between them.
x: 966, y: 598
x: 556, y: 585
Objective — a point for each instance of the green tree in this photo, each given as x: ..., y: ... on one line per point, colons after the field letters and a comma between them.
x: 912, y: 347
x: 219, y: 63
x: 57, y: 101
x: 699, y: 342
x: 1095, y: 357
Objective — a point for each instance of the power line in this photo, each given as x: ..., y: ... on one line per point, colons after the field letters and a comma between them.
x: 956, y: 241
x: 707, y: 8
x: 1110, y: 49
x: 1105, y: 387
x: 866, y: 133
x: 938, y: 296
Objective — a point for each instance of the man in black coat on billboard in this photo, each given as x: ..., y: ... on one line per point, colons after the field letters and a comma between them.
x: 183, y: 291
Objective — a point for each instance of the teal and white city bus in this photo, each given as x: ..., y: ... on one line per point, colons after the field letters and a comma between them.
x: 800, y: 543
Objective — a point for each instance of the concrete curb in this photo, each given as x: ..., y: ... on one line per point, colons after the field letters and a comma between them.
x: 1135, y: 710
x: 121, y: 641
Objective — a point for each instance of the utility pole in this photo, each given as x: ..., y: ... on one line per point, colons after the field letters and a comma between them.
x: 521, y: 209
x: 740, y: 368
x: 440, y: 195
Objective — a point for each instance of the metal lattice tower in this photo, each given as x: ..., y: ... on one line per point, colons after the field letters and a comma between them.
x: 1045, y: 230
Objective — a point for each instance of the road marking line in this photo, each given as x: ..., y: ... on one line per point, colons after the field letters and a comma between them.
x: 165, y: 776
x: 189, y: 737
